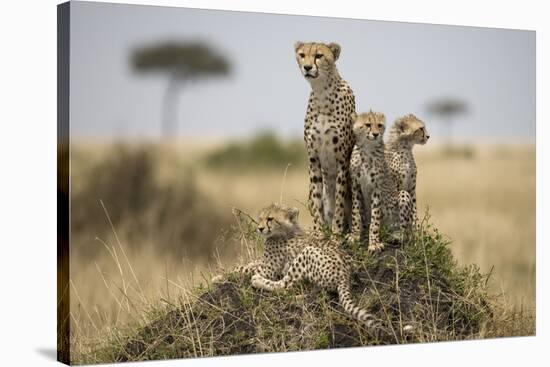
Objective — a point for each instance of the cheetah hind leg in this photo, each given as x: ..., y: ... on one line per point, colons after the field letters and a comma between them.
x: 293, y: 274
x: 403, y: 217
x: 261, y: 282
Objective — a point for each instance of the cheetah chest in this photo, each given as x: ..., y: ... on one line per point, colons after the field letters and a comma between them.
x: 404, y: 170
x: 368, y: 175
x: 327, y: 140
x: 407, y: 174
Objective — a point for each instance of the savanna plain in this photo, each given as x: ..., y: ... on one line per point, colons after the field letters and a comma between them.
x: 150, y: 221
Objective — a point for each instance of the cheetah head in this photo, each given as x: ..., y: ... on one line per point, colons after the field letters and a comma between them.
x: 410, y: 128
x: 278, y: 220
x: 316, y: 60
x: 369, y: 126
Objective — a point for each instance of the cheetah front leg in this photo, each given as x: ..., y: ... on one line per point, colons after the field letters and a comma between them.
x: 247, y: 269
x: 357, y: 212
x: 401, y: 214
x: 406, y: 210
x: 316, y: 192
x: 412, y: 194
x: 329, y: 190
x: 342, y: 187
x: 374, y: 228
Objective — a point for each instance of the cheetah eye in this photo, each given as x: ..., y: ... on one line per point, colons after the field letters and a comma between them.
x: 302, y: 55
x: 380, y: 126
x: 369, y: 125
x: 269, y: 219
x: 318, y: 56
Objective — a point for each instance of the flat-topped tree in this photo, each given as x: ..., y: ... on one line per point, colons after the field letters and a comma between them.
x: 447, y: 109
x: 183, y: 62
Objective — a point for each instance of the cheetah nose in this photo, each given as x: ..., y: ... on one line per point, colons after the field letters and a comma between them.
x: 375, y: 134
x: 261, y: 229
x: 427, y: 137
x: 308, y: 67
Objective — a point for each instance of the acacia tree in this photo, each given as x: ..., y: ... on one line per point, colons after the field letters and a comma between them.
x: 447, y: 109
x: 182, y: 62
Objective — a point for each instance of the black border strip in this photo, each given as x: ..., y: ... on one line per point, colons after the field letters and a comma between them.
x: 63, y: 191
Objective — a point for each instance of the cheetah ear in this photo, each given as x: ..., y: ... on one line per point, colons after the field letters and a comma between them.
x: 293, y: 214
x: 400, y: 124
x: 335, y: 48
x: 353, y: 117
x: 297, y: 45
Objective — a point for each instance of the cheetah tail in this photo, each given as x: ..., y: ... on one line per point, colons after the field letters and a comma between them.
x: 344, y: 295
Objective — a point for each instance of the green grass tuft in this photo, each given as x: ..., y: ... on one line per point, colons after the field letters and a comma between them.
x: 263, y: 151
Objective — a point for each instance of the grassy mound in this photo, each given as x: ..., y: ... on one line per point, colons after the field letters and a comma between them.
x: 416, y: 290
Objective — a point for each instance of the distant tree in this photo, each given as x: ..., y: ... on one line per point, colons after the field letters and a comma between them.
x: 447, y: 109
x: 183, y: 62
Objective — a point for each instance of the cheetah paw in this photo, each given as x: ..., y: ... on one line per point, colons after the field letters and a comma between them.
x: 256, y: 281
x: 375, y: 246
x: 397, y: 237
x: 259, y: 282
x: 408, y: 329
x: 353, y: 237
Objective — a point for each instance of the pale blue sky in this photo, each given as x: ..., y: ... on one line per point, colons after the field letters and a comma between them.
x: 392, y: 67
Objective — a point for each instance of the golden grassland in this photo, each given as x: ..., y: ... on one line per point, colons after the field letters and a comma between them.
x: 482, y: 199
x: 484, y: 204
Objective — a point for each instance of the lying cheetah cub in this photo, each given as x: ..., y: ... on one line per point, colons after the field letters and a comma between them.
x: 290, y: 256
x: 404, y: 134
x: 375, y: 198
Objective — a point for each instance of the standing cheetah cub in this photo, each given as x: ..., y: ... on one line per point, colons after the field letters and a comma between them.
x: 327, y: 134
x: 290, y: 256
x: 404, y: 134
x: 375, y: 199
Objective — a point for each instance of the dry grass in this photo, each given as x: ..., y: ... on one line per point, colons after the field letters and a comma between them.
x: 485, y: 204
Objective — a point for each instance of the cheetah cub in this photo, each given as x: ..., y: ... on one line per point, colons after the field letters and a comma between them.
x: 290, y: 256
x: 375, y: 198
x: 404, y: 134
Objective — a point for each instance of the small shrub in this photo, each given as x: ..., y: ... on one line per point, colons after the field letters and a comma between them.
x: 264, y: 151
x: 173, y: 218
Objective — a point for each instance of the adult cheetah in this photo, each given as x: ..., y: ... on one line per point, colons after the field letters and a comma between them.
x: 327, y: 133
x: 375, y: 197
x: 406, y: 131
